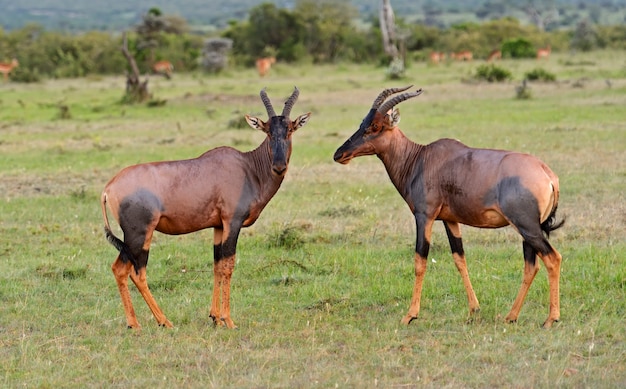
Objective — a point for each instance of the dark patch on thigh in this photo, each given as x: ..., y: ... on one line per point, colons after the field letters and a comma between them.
x: 137, y: 212
x: 520, y: 206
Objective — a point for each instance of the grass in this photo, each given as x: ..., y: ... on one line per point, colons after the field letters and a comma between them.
x: 325, y: 275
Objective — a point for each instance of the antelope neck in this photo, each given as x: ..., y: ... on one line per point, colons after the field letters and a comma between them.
x: 400, y: 159
x: 261, y: 162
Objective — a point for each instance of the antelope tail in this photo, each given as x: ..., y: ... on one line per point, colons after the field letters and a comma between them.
x: 125, y: 253
x: 551, y: 224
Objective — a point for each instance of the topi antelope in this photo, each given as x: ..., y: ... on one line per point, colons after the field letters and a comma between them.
x: 448, y: 181
x: 223, y: 188
x: 164, y: 68
x: 263, y: 65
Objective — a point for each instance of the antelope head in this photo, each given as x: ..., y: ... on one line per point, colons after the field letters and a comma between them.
x: 374, y: 131
x: 279, y: 129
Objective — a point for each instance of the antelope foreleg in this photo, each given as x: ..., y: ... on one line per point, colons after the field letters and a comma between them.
x: 142, y: 285
x: 223, y: 266
x: 214, y: 314
x: 420, y: 272
x: 453, y: 231
x: 228, y: 265
x: 461, y: 265
x: 121, y: 271
x: 422, y: 246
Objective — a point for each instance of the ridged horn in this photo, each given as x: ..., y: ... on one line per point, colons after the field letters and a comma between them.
x: 386, y: 93
x: 397, y: 100
x: 291, y: 101
x: 267, y: 103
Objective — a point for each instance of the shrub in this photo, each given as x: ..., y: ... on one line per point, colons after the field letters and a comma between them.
x: 492, y: 73
x: 396, y: 69
x: 523, y: 92
x: 540, y: 74
x: 518, y: 48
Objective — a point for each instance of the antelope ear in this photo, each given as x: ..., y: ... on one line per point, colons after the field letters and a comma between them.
x: 256, y: 123
x: 301, y: 121
x: 394, y: 117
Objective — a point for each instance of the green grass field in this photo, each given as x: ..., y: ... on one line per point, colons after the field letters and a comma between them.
x: 325, y: 275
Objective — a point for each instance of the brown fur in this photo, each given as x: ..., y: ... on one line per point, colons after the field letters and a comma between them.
x: 437, y: 57
x: 544, y: 52
x: 6, y: 68
x: 494, y: 55
x: 457, y: 184
x: 164, y: 68
x: 224, y: 189
x: 263, y: 65
x: 462, y: 56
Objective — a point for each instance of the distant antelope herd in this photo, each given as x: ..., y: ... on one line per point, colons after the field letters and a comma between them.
x: 437, y: 57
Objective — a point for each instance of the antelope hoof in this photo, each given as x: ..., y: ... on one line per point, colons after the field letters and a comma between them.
x: 227, y: 321
x: 216, y: 323
x: 166, y: 324
x: 548, y: 323
x: 408, y: 319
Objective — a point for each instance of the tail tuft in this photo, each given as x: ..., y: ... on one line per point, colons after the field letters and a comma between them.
x: 122, y: 247
x: 551, y: 224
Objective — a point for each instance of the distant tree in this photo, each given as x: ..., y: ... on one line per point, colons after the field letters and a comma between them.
x: 152, y: 28
x: 541, y: 13
x: 321, y: 31
x: 612, y: 36
x: 585, y: 37
x: 491, y: 9
x: 136, y: 90
x: 327, y: 28
x: 388, y: 29
x: 268, y: 28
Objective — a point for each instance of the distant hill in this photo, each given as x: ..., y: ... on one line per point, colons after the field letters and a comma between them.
x: 207, y: 15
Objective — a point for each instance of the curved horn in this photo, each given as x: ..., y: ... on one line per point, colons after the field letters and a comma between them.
x: 291, y: 101
x: 386, y: 93
x: 397, y: 100
x: 267, y: 103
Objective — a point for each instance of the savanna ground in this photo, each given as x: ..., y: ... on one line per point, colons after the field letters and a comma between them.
x: 325, y: 275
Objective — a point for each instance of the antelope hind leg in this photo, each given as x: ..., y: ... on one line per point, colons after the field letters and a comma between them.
x: 552, y: 261
x: 142, y: 285
x: 531, y: 267
x: 121, y: 271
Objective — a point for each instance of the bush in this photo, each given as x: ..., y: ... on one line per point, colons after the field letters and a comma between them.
x: 540, y: 74
x: 395, y: 71
x: 523, y: 92
x: 518, y: 48
x: 492, y: 73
